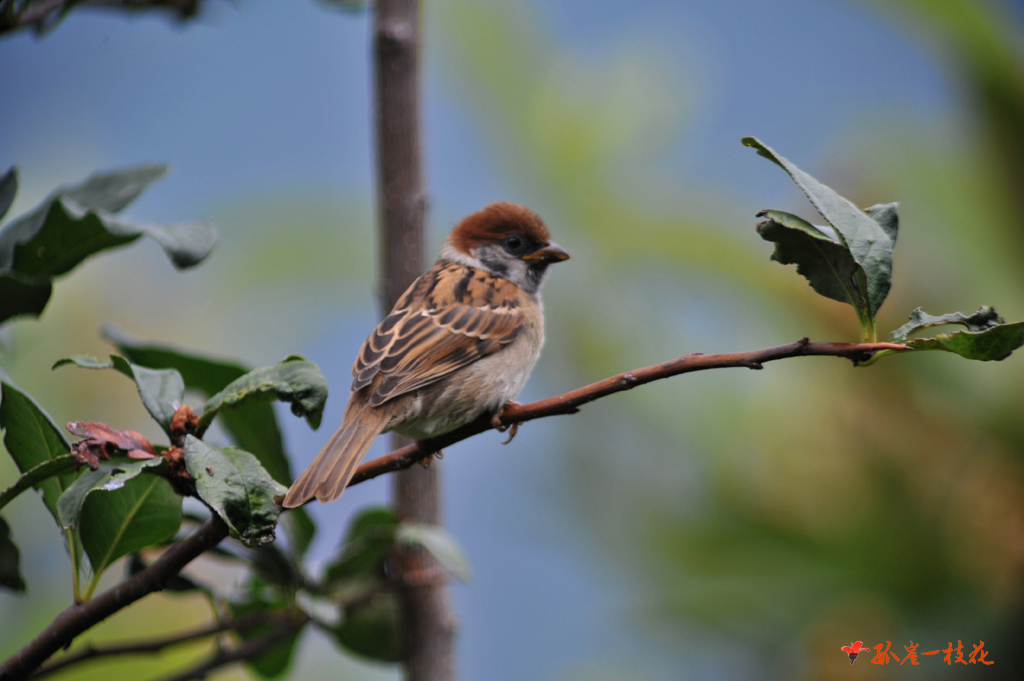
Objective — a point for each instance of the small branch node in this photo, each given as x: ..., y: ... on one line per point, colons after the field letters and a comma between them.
x: 756, y: 366
x: 425, y: 577
x: 804, y: 342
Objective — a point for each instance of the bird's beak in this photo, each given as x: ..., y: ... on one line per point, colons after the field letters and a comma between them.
x: 552, y: 252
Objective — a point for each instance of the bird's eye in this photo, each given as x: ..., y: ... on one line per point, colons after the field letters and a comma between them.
x: 513, y: 243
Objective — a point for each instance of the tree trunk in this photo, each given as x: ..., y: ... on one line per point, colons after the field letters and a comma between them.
x: 428, y: 624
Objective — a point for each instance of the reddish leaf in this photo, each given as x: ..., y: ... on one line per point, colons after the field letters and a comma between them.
x: 100, y: 441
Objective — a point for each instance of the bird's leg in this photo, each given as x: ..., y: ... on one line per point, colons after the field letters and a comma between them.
x: 501, y: 427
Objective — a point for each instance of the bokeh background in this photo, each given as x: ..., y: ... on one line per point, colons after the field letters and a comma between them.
x: 723, y: 525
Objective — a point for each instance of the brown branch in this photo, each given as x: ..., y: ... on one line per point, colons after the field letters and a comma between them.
x: 80, y: 617
x: 570, y: 402
x: 156, y: 645
x: 243, y: 651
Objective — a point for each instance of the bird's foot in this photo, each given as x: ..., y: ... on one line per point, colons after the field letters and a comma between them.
x: 511, y: 433
x: 512, y: 428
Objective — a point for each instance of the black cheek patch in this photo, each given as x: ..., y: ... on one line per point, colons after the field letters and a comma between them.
x: 498, y: 268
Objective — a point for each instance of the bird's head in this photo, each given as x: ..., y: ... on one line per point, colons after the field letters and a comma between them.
x: 508, y: 241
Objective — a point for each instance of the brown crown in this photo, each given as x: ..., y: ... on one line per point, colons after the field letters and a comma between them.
x: 495, y: 222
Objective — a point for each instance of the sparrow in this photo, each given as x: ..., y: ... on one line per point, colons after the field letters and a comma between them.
x: 459, y: 343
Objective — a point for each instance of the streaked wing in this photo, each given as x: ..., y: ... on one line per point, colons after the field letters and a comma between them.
x: 449, y: 318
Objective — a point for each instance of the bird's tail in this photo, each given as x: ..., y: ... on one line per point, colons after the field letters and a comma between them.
x: 331, y: 470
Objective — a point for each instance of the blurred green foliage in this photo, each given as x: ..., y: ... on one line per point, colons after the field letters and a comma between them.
x: 788, y: 511
x: 810, y: 503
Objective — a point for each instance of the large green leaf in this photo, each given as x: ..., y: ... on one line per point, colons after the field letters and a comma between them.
x: 35, y: 475
x: 234, y: 484
x: 22, y: 295
x: 142, y: 512
x: 987, y: 336
x: 162, y: 391
x: 110, y: 476
x: 78, y: 221
x: 10, y: 573
x: 826, y: 264
x: 33, y: 438
x: 869, y: 244
x: 293, y: 380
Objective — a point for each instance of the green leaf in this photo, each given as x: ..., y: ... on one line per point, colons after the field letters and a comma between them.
x: 292, y: 380
x: 888, y: 218
x: 440, y: 544
x: 367, y: 544
x: 35, y: 475
x: 826, y: 264
x: 78, y: 221
x: 10, y: 574
x: 108, y: 477
x: 162, y: 391
x: 371, y: 627
x: 988, y: 337
x: 984, y: 319
x: 21, y: 295
x: 252, y: 424
x: 869, y: 243
x: 142, y: 512
x: 33, y: 438
x: 8, y: 189
x: 234, y: 484
x: 208, y: 375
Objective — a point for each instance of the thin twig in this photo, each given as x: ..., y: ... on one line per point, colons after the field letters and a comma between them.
x: 82, y: 616
x: 243, y: 651
x: 156, y: 645
x: 570, y: 402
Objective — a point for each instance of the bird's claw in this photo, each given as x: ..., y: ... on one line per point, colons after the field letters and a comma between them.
x: 511, y: 433
x: 512, y: 428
